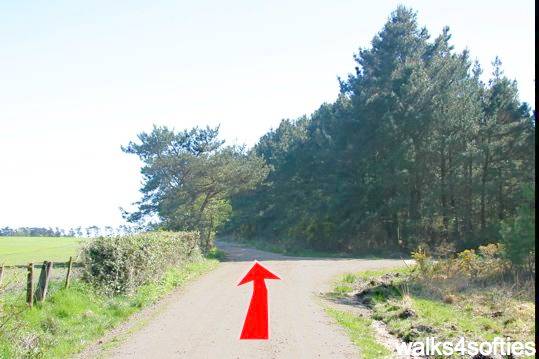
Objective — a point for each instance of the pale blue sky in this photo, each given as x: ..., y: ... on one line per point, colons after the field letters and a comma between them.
x: 79, y: 79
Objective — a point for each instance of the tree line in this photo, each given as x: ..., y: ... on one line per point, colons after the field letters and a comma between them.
x: 36, y: 232
x: 417, y: 150
x: 90, y: 231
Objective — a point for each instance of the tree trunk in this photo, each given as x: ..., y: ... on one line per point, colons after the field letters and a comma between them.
x: 201, y: 225
x: 452, y: 197
x: 468, y: 201
x: 484, y: 173
x: 443, y: 194
x: 500, y: 196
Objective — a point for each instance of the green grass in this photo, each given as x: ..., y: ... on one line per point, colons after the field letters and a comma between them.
x: 361, y: 333
x: 344, y: 284
x: 72, y: 318
x: 368, y: 274
x: 340, y: 290
x: 442, y: 315
x: 22, y: 250
x: 448, y: 321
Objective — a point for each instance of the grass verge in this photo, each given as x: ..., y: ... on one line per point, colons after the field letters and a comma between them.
x: 72, y: 318
x: 413, y: 309
x: 360, y: 332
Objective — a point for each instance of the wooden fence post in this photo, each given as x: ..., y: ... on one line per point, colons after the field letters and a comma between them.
x: 30, y: 285
x: 68, y: 276
x: 1, y: 273
x: 43, y: 285
x: 47, y: 280
x: 40, y: 281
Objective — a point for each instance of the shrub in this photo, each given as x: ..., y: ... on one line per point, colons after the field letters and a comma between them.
x: 468, y: 262
x: 493, y: 262
x: 466, y: 267
x: 421, y: 257
x: 120, y: 264
x: 491, y: 251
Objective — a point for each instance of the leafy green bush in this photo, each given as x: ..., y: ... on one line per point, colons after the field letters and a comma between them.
x: 120, y: 264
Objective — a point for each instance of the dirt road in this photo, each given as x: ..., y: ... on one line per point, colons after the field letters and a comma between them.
x: 205, y: 319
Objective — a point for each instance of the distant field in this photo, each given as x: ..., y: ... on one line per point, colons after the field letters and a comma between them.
x: 22, y: 250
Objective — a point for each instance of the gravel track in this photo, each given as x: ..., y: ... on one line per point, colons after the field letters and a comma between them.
x: 204, y: 320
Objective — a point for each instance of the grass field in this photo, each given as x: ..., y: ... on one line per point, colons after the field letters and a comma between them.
x: 22, y: 250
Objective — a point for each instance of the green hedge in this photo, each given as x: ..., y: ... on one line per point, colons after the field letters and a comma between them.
x: 120, y: 264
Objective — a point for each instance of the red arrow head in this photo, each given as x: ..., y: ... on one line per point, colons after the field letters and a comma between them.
x: 257, y: 272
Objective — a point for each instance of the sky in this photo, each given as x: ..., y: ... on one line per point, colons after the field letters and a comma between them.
x: 81, y: 78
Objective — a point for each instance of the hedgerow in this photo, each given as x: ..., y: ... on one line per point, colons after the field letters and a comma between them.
x: 120, y: 264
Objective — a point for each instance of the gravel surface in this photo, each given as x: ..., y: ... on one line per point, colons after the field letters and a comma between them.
x: 205, y: 319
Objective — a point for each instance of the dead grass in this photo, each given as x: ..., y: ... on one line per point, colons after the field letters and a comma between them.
x: 415, y: 305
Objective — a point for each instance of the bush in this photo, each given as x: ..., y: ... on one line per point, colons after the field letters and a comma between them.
x: 468, y: 262
x: 491, y: 251
x: 120, y: 264
x: 487, y: 266
x: 421, y: 257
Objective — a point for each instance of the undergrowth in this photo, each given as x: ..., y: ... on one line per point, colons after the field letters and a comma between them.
x: 470, y: 295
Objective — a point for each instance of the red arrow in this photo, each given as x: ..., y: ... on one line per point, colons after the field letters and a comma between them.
x: 256, y: 321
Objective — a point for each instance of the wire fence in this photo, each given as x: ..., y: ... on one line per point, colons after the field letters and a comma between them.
x: 35, y: 280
